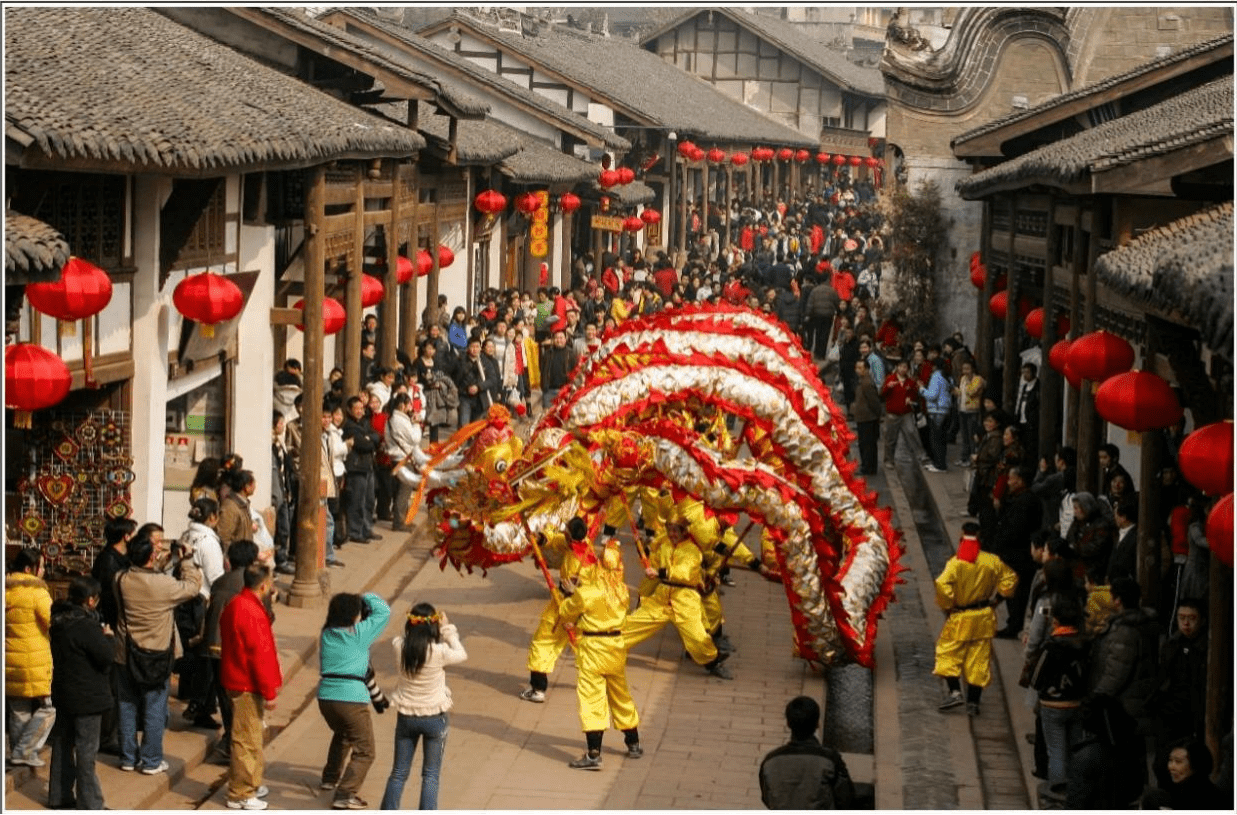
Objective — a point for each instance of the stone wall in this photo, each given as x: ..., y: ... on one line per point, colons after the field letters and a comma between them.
x: 1110, y: 41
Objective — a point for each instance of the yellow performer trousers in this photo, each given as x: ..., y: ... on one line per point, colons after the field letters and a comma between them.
x: 713, y: 617
x: 970, y: 659
x: 548, y: 641
x: 680, y: 606
x: 601, y: 684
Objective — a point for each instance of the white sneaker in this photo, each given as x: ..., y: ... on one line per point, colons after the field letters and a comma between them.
x: 261, y: 792
x: 532, y: 695
x: 248, y: 803
x: 162, y: 768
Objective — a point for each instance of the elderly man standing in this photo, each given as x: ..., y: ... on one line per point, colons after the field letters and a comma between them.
x: 146, y: 598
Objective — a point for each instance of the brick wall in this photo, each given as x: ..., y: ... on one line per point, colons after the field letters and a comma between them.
x: 1120, y: 39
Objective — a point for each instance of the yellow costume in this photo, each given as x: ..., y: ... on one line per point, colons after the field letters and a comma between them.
x: 964, y: 590
x: 713, y: 559
x: 550, y: 637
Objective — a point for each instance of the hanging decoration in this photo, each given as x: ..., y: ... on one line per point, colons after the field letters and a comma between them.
x: 1099, y: 355
x: 334, y: 317
x: 208, y: 299
x: 802, y: 155
x: 979, y: 275
x: 34, y: 379
x: 608, y: 178
x: 998, y: 304
x: 686, y: 148
x: 871, y: 162
x: 1058, y: 355
x: 738, y: 159
x: 650, y: 216
x: 633, y: 223
x: 372, y: 291
x: 404, y: 268
x: 1072, y: 377
x: 1220, y: 530
x: 785, y: 154
x: 626, y: 175
x: 425, y: 263
x: 527, y: 203
x: 491, y: 202
x: 568, y: 202
x: 839, y: 160
x: 856, y: 161
x: 822, y: 158
x: 1206, y: 458
x: 1138, y: 401
x: 1034, y: 323
x: 445, y: 256
x: 697, y: 154
x: 716, y: 155
x: 82, y: 291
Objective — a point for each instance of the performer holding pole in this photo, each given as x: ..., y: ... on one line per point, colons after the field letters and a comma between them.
x: 551, y: 637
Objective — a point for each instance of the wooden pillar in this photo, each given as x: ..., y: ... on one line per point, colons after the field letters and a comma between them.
x: 726, y: 199
x: 1049, y: 380
x: 411, y: 314
x: 680, y: 241
x: 306, y: 590
x: 983, y: 319
x: 1075, y: 320
x: 1152, y: 454
x: 1089, y: 424
x: 352, y: 294
x: 431, y: 285
x: 1010, y: 373
x: 388, y: 321
x: 1219, y: 655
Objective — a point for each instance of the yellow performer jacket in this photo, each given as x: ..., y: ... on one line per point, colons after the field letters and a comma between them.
x: 964, y: 590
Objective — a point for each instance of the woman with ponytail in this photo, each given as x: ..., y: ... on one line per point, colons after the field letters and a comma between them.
x: 429, y: 644
x: 196, y: 674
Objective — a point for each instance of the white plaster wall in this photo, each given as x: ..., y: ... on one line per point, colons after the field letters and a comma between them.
x: 254, y: 371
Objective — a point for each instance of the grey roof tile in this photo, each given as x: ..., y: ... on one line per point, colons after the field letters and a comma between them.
x: 34, y: 252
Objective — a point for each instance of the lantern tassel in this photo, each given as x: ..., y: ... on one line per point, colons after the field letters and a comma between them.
x: 67, y: 328
x: 87, y: 355
x: 208, y: 330
x: 22, y: 419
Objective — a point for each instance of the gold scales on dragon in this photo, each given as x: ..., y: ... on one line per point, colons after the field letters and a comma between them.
x: 644, y: 418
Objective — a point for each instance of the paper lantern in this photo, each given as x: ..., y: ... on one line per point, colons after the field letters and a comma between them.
x: 445, y: 256
x: 1206, y: 458
x: 334, y: 318
x: 208, y: 299
x: 569, y: 202
x: 1138, y: 401
x: 975, y: 260
x: 979, y: 275
x: 626, y: 175
x: 372, y: 291
x: 686, y: 148
x: 403, y: 270
x: 650, y: 216
x: 1220, y: 530
x: 785, y: 154
x: 716, y: 155
x: 802, y: 155
x: 1034, y: 323
x: 1063, y: 324
x: 527, y: 202
x: 738, y: 159
x: 491, y: 202
x: 855, y: 161
x: 83, y: 290
x: 608, y: 178
x: 632, y: 223
x: 425, y: 262
x: 822, y: 158
x: 871, y: 161
x: 1058, y: 355
x: 1072, y: 376
x: 1099, y: 355
x: 697, y: 154
x: 34, y: 379
x: 839, y: 160
x: 998, y: 304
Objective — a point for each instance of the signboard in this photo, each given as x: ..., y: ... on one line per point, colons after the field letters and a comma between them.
x: 539, y: 232
x: 607, y: 223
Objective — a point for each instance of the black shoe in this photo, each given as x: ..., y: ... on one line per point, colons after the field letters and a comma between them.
x: 358, y: 540
x: 374, y: 536
x: 635, y: 750
x: 207, y: 722
x: 110, y: 748
x: 285, y: 568
x: 586, y: 762
x: 1008, y: 633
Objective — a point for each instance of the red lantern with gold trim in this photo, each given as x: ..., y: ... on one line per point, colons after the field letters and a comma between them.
x: 608, y: 178
x: 632, y: 223
x: 334, y: 317
x: 1099, y: 355
x: 83, y: 290
x: 839, y: 159
x: 34, y: 379
x: 491, y: 202
x: 802, y: 155
x: 1138, y: 401
x: 445, y: 256
x: 716, y: 156
x: 998, y: 304
x: 650, y: 216
x: 738, y: 159
x: 1220, y: 530
x: 1058, y: 356
x: 569, y: 202
x: 372, y: 291
x: 208, y: 299
x: 1206, y: 458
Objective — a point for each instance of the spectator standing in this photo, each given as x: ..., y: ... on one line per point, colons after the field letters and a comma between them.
x: 803, y: 773
x: 938, y: 400
x: 1110, y: 464
x: 403, y: 444
x: 1091, y: 535
x: 330, y: 472
x: 352, y: 624
x: 1058, y: 675
x: 900, y: 392
x: 111, y: 561
x: 362, y: 441
x: 1186, y: 778
x: 1179, y: 702
x: 203, y: 541
x: 428, y: 645
x: 147, y: 598
x: 1017, y: 520
x: 280, y: 492
x: 250, y: 673
x: 866, y: 411
x: 235, y: 522
x: 1124, y: 559
x: 475, y: 384
x: 82, y: 653
x: 557, y: 363
x: 30, y: 713
x: 382, y: 496
x: 970, y: 392
x: 819, y: 310
x: 1026, y: 409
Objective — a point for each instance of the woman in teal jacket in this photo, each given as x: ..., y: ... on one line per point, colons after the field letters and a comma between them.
x: 352, y: 625
x: 937, y: 397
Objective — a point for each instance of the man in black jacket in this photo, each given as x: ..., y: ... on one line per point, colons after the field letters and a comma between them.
x: 475, y: 384
x: 557, y: 363
x: 113, y: 560
x: 362, y: 441
x: 805, y: 774
x: 82, y: 655
x: 1018, y: 518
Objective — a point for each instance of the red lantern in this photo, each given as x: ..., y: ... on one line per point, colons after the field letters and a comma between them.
x: 626, y: 175
x: 999, y: 305
x: 445, y: 256
x: 632, y: 223
x: 974, y: 260
x: 208, y: 298
x: 491, y: 202
x: 1034, y: 323
x: 686, y: 148
x: 1206, y: 458
x: 34, y: 378
x: 855, y: 161
x: 1220, y: 530
x: 717, y: 155
x: 650, y: 216
x: 1138, y: 401
x: 822, y: 158
x: 979, y: 275
x: 528, y: 203
x: 802, y: 155
x: 870, y: 161
x: 1099, y: 355
x: 785, y: 154
x: 372, y: 291
x: 738, y: 159
x: 1072, y: 377
x: 83, y: 290
x: 569, y: 202
x: 403, y: 270
x: 1058, y: 355
x: 839, y: 160
x: 425, y: 262
x: 1062, y: 325
x: 334, y: 318
x: 698, y: 154
x: 608, y: 178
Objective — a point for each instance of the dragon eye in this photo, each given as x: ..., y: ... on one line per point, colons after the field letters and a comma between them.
x: 500, y: 466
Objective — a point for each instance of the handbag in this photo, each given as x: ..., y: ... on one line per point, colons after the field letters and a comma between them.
x: 149, y: 668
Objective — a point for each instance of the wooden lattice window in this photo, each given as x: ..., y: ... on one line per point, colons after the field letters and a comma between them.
x: 207, y: 241
x: 88, y: 209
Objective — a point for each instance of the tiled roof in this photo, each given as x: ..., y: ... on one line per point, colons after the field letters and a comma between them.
x: 34, y: 252
x: 619, y: 72
x: 539, y: 163
x: 501, y: 85
x: 1184, y: 267
x: 130, y: 89
x: 1095, y: 88
x: 625, y: 195
x: 1194, y: 117
x: 794, y: 40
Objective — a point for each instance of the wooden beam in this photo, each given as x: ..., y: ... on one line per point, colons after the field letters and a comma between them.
x: 1159, y: 170
x: 285, y: 316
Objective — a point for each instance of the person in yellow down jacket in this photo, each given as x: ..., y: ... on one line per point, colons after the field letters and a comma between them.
x: 596, y: 610
x: 27, y: 658
x: 551, y: 637
x: 675, y: 560
x: 969, y: 589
